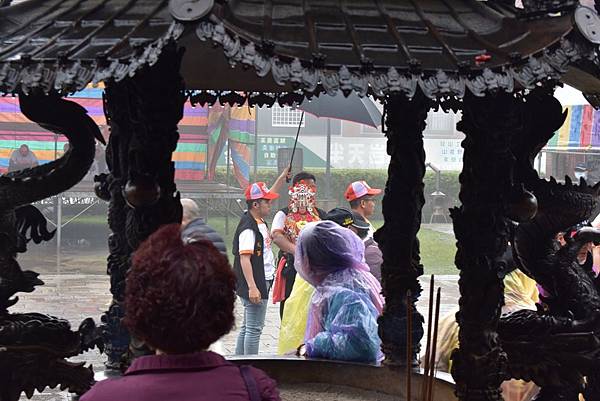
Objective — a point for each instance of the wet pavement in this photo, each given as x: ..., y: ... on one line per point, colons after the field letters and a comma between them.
x: 76, y: 297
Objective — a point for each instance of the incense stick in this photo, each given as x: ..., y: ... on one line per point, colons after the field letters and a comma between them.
x: 432, y: 389
x: 428, y: 346
x: 434, y: 345
x: 408, y: 345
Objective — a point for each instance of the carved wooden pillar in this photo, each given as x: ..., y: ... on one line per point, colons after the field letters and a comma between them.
x: 482, y: 232
x: 143, y: 113
x: 402, y: 204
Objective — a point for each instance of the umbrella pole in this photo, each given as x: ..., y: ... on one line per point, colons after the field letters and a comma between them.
x: 295, y: 144
x: 227, y: 182
x: 255, y: 143
x: 328, y: 162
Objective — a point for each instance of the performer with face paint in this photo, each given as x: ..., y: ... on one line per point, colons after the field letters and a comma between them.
x: 287, y: 224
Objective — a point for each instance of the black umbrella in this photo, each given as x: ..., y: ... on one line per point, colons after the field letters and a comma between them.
x: 352, y: 108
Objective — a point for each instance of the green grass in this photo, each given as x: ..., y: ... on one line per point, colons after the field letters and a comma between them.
x: 437, y: 252
x: 437, y: 249
x: 87, y: 219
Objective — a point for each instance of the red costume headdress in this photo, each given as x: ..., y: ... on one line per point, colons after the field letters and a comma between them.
x: 302, y: 209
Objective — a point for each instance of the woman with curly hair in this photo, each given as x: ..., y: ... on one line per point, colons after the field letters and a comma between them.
x: 179, y: 299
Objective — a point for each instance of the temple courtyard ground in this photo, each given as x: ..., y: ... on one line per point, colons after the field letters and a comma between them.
x: 78, y: 296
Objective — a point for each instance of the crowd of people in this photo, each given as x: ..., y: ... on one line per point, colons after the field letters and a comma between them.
x: 325, y: 277
x: 181, y: 291
x: 345, y: 244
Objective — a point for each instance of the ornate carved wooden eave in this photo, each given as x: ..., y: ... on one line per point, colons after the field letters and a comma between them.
x: 66, y: 44
x: 443, y: 47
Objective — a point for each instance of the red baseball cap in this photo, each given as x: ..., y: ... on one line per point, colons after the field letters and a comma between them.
x: 259, y: 190
x: 358, y: 189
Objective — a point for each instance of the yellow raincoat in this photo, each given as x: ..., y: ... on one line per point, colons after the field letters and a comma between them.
x: 520, y: 292
x: 295, y: 315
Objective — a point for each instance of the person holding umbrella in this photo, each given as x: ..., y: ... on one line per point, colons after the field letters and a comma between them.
x: 289, y: 290
x: 287, y: 224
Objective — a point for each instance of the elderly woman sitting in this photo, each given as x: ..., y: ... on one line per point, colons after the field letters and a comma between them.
x: 179, y: 299
x: 342, y: 319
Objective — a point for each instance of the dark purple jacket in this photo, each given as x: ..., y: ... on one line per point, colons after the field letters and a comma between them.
x: 373, y: 258
x: 203, y: 376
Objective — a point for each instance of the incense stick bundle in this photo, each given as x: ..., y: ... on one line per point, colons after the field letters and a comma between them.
x: 428, y: 346
x: 408, y: 344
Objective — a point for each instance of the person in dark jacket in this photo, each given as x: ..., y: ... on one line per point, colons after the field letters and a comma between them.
x: 373, y: 255
x: 254, y: 265
x: 355, y: 222
x: 194, y: 227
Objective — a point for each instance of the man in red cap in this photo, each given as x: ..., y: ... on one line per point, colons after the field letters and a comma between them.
x: 362, y: 200
x: 254, y: 265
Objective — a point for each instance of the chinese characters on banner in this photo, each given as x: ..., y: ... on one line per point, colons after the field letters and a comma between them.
x: 371, y: 153
x: 450, y: 151
x: 359, y: 153
x: 267, y: 149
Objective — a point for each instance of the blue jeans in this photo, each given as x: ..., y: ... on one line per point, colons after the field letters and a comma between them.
x: 254, y: 321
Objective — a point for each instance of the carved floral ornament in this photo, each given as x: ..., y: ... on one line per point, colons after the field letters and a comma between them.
x: 549, y: 65
x: 74, y: 75
x: 312, y: 76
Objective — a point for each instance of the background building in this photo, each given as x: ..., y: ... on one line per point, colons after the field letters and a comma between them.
x: 352, y: 145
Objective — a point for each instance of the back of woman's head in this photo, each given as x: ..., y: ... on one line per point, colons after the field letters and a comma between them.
x: 179, y: 297
x: 325, y: 247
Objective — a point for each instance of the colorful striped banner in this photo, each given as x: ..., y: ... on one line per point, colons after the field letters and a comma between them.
x: 595, y: 128
x: 586, y: 124
x: 564, y: 130
x: 240, y: 154
x: 575, y: 125
x: 581, y: 130
x: 236, y: 125
x: 191, y: 156
x: 9, y: 112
